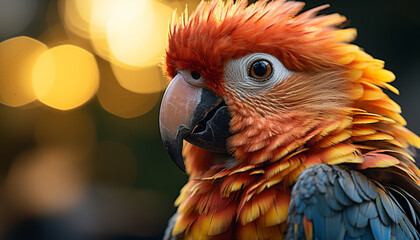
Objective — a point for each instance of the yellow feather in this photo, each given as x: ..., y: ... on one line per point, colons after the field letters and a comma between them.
x: 346, y: 59
x: 278, y: 212
x: 260, y: 171
x: 283, y: 152
x: 361, y: 131
x: 291, y: 178
x: 390, y: 115
x: 187, y: 206
x: 355, y: 74
x: 346, y: 48
x: 356, y: 91
x: 363, y: 56
x: 334, y: 139
x: 180, y: 226
x: 397, y: 117
x: 218, y: 222
x: 372, y: 92
x: 331, y: 20
x: 397, y: 143
x: 337, y: 151
x: 254, y: 209
x: 252, y: 232
x: 378, y: 105
x: 242, y: 169
x: 183, y: 195
x: 408, y: 135
x: 382, y: 75
x: 391, y: 88
x: 357, y: 111
x: 345, y: 35
x: 359, y: 64
x: 277, y: 168
x: 364, y: 120
x: 198, y: 231
x: 349, y: 158
x: 376, y: 63
x: 272, y: 182
x: 372, y: 137
x: 274, y: 176
x: 237, y: 185
x: 345, y: 123
x: 372, y: 81
x: 331, y: 127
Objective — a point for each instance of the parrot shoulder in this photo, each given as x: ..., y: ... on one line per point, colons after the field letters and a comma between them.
x: 336, y: 202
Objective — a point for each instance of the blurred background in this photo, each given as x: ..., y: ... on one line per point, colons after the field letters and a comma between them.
x: 80, y: 87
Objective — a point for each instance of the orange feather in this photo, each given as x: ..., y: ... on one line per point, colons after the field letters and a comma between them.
x: 331, y: 110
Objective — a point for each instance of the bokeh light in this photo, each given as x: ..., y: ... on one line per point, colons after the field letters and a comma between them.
x: 57, y: 35
x: 16, y: 15
x: 127, y: 31
x: 181, y: 5
x: 100, y: 10
x: 140, y: 79
x: 65, y: 77
x: 118, y: 100
x: 45, y: 180
x: 130, y: 34
x: 76, y: 15
x: 142, y: 39
x: 17, y: 59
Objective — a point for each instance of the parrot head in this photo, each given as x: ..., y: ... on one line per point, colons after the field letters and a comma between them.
x: 242, y: 77
x: 253, y: 84
x: 258, y: 94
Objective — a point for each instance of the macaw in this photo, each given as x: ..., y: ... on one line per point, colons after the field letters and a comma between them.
x: 284, y: 128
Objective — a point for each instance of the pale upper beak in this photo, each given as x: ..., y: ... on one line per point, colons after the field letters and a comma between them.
x: 195, y: 114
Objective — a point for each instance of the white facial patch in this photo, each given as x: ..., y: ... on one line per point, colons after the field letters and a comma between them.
x: 237, y: 73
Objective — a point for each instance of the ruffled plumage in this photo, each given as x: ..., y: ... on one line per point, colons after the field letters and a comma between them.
x: 361, y: 127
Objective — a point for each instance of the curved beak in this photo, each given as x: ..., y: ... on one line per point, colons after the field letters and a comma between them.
x: 194, y: 114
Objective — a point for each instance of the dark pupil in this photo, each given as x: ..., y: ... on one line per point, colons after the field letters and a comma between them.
x: 195, y: 75
x: 260, y: 68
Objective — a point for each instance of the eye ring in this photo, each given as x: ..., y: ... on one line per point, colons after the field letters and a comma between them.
x: 260, y: 70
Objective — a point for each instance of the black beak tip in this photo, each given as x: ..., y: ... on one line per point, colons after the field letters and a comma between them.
x: 175, y: 152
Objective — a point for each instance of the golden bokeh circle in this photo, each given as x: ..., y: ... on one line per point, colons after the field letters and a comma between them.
x: 65, y: 77
x: 118, y: 100
x: 17, y: 59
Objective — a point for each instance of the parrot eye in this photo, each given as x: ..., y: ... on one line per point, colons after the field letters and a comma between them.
x: 195, y: 75
x: 255, y: 72
x: 261, y: 70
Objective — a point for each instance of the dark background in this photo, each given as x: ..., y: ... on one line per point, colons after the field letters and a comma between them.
x: 120, y: 199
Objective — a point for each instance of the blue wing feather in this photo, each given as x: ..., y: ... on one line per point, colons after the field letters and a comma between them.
x: 345, y: 204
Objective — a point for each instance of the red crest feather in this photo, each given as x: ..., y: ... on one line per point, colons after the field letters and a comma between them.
x: 218, y: 31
